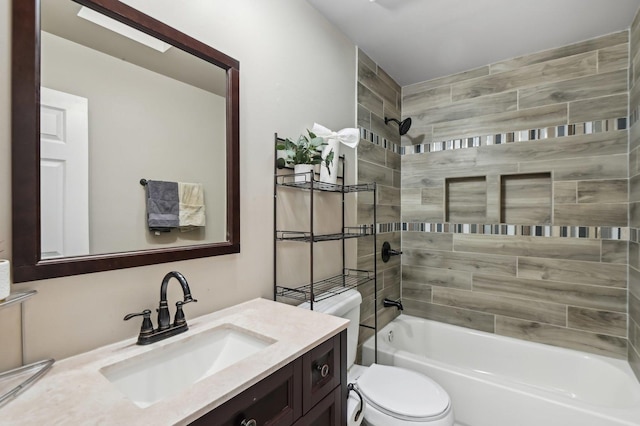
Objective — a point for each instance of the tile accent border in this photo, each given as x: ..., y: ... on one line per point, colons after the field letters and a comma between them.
x: 522, y: 136
x: 634, y: 115
x: 389, y: 227
x: 585, y: 128
x: 376, y: 139
x: 587, y: 232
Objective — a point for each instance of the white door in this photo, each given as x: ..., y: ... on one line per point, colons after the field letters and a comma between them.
x: 64, y: 174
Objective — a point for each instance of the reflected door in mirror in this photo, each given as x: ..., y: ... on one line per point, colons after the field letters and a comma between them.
x: 64, y: 174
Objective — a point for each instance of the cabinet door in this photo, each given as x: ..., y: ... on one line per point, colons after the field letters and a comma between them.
x: 321, y: 372
x: 326, y: 413
x: 274, y: 401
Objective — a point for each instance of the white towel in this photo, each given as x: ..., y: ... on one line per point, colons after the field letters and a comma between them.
x: 192, y: 212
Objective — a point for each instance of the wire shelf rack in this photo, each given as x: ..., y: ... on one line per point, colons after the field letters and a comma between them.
x: 303, y: 236
x: 304, y: 181
x: 326, y: 288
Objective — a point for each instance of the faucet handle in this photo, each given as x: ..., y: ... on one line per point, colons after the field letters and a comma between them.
x: 147, y: 325
x: 180, y: 318
x: 387, y: 252
x: 146, y: 313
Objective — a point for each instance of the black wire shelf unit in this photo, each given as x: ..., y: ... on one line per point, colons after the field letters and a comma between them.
x: 307, y: 237
x: 315, y: 290
x: 304, y: 181
x: 323, y: 289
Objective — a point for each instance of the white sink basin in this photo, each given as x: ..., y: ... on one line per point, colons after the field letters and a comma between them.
x: 169, y: 369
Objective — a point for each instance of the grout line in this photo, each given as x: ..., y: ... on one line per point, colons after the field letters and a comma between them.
x: 600, y: 247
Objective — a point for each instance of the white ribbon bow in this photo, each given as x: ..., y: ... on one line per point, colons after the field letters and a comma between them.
x: 350, y: 137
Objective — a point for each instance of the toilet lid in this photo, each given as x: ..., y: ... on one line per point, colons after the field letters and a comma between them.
x: 403, y: 393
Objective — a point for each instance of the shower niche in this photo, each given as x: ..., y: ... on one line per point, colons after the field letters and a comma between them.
x: 466, y: 200
x: 526, y: 199
x: 517, y: 199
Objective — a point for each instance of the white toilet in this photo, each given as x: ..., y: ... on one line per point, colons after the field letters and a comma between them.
x: 394, y: 396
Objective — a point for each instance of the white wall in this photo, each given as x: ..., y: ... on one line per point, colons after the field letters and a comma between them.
x: 295, y: 68
x: 141, y: 125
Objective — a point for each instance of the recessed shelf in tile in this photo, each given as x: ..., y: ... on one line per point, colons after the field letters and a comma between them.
x: 466, y: 199
x: 525, y: 198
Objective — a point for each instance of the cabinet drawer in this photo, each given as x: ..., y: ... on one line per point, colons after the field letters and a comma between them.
x: 326, y: 413
x: 320, y: 372
x: 273, y: 401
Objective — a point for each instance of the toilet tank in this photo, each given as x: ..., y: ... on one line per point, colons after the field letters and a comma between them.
x: 344, y: 305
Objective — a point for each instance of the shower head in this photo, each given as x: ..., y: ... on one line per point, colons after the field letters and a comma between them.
x: 403, y: 126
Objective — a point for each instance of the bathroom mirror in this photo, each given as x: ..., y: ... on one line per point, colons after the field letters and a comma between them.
x: 166, y: 112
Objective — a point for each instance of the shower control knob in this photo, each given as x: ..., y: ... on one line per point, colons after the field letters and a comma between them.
x: 250, y: 422
x: 387, y: 252
x: 323, y: 369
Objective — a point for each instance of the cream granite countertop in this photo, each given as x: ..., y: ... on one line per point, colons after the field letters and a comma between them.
x: 75, y: 392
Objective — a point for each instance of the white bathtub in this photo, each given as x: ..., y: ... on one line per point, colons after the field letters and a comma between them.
x: 500, y: 381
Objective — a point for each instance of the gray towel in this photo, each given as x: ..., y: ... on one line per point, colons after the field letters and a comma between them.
x: 163, y: 205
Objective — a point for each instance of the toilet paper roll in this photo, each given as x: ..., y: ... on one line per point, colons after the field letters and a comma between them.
x: 353, y: 405
x: 4, y: 279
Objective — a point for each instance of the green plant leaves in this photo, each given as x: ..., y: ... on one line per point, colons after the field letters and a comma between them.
x: 329, y: 161
x: 305, y: 151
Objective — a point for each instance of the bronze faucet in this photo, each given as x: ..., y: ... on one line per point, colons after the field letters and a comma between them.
x: 165, y: 329
x: 387, y: 303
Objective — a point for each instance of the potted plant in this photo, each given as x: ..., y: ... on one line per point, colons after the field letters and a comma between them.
x: 303, y: 154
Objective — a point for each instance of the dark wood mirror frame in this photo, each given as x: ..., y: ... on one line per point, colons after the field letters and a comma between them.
x: 25, y: 151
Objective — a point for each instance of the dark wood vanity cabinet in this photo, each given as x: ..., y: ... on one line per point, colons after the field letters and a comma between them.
x: 327, y: 412
x: 310, y: 391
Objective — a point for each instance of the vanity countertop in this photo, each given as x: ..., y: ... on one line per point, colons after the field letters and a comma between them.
x: 75, y: 392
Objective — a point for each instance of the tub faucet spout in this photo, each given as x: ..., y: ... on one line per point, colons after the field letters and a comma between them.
x: 389, y: 303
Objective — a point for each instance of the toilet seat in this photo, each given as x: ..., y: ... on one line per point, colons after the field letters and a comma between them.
x: 403, y: 394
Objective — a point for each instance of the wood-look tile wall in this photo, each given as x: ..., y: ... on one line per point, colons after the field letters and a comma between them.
x: 569, y: 292
x: 634, y: 198
x: 379, y: 96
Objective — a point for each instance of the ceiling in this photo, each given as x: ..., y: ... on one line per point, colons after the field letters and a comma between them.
x: 418, y: 40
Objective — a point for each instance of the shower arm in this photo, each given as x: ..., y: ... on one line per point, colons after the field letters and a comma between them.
x: 403, y: 126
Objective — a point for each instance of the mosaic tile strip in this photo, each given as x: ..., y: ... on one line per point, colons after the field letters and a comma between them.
x: 589, y: 232
x: 379, y: 140
x: 502, y: 138
x: 634, y: 115
x: 520, y: 136
x: 389, y: 227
